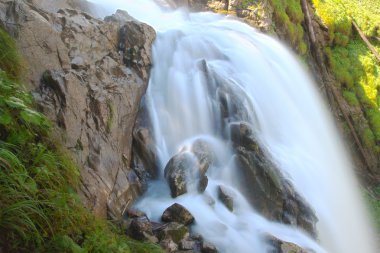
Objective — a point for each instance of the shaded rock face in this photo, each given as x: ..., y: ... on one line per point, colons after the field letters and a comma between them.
x: 86, y: 83
x: 144, y: 152
x: 266, y: 188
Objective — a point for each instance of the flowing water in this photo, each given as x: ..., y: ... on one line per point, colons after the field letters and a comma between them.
x: 290, y: 119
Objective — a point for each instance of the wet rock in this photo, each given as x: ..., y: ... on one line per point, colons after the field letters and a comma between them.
x: 178, y: 172
x: 226, y: 196
x: 233, y: 101
x: 141, y: 229
x: 267, y: 189
x: 188, y: 244
x: 208, y: 248
x: 242, y: 135
x: 209, y: 199
x: 172, y: 231
x: 203, y: 182
x: 279, y: 246
x: 177, y: 213
x: 144, y: 152
x: 203, y: 152
x: 89, y: 93
x: 189, y: 167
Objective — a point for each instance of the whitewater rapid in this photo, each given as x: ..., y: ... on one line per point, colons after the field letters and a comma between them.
x: 291, y: 123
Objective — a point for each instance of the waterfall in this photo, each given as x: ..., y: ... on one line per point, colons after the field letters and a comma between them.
x: 201, y: 57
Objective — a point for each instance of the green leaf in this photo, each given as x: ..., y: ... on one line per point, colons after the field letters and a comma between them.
x: 15, y: 103
x: 31, y: 117
x: 5, y: 118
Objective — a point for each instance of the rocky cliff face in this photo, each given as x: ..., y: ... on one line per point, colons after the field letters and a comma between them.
x: 88, y: 77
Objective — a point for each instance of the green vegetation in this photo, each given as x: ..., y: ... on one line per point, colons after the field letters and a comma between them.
x: 288, y: 16
x: 355, y: 67
x: 40, y: 210
x: 10, y: 60
x: 373, y: 198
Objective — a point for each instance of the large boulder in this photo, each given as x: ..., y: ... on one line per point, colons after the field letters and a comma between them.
x: 269, y: 192
x: 141, y: 229
x: 188, y: 169
x: 177, y: 213
x: 178, y: 172
x: 88, y: 84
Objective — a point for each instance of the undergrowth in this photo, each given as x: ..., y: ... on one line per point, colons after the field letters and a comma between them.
x: 355, y: 67
x: 40, y: 210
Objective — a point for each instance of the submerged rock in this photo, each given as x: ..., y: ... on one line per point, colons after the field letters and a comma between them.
x: 177, y: 213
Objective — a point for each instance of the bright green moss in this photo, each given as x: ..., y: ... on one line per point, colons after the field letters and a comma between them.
x: 288, y: 16
x: 350, y: 96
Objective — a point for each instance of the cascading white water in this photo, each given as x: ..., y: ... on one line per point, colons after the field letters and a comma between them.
x: 291, y: 124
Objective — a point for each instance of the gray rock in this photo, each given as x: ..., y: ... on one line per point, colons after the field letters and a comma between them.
x: 188, y: 244
x: 226, y: 197
x: 187, y: 168
x: 177, y: 213
x: 141, y: 229
x: 208, y: 248
x: 178, y: 172
x: 172, y: 231
x: 144, y: 152
x: 169, y: 245
x: 279, y: 246
x: 88, y: 91
x: 202, y: 184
